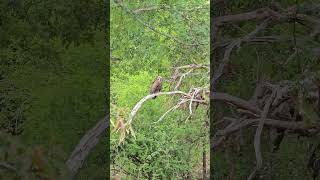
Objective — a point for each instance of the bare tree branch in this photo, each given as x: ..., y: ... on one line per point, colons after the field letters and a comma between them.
x: 192, y: 68
x: 171, y: 109
x: 223, y: 134
x: 7, y: 166
x: 86, y: 145
x: 226, y: 58
x: 257, y: 14
x: 139, y: 104
x: 257, y: 137
x: 240, y: 103
x: 180, y: 79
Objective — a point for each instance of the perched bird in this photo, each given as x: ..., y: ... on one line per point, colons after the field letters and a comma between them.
x: 156, y: 86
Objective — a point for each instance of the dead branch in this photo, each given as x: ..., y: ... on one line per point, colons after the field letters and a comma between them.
x: 144, y: 99
x: 86, y: 145
x: 180, y: 79
x: 262, y: 40
x: 226, y: 58
x: 276, y: 118
x: 257, y: 137
x: 240, y: 103
x: 192, y: 67
x: 263, y: 13
x: 7, y: 166
x: 296, y: 127
x: 184, y: 99
x: 171, y: 109
x: 257, y: 14
x: 196, y: 91
x: 292, y: 56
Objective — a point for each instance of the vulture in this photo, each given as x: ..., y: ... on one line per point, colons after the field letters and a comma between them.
x: 156, y: 86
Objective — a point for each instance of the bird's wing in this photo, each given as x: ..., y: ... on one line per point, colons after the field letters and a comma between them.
x: 153, y: 87
x: 159, y: 86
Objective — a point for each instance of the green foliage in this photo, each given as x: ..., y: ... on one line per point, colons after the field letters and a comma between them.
x: 52, y: 73
x: 144, y: 45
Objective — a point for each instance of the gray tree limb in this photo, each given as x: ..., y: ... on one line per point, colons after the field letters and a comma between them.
x: 86, y: 144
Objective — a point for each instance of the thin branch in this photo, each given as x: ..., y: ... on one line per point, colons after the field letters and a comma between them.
x: 240, y: 103
x: 261, y: 40
x: 257, y: 14
x: 192, y: 67
x: 191, y: 99
x: 257, y: 137
x: 297, y: 127
x: 230, y: 47
x: 139, y: 104
x: 7, y: 166
x: 171, y: 109
x: 292, y: 56
x: 180, y: 79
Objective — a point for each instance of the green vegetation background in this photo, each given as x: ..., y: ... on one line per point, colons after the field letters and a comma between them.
x: 53, y: 67
x: 171, y: 149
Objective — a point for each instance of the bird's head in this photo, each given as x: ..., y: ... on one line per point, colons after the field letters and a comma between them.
x: 159, y: 78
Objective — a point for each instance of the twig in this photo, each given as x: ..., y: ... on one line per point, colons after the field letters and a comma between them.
x: 196, y: 91
x: 180, y: 79
x: 171, y: 109
x: 139, y: 104
x: 192, y: 67
x: 261, y: 40
x: 229, y: 48
x: 257, y: 137
x: 240, y: 103
x: 257, y: 14
x: 7, y: 166
x: 296, y: 127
